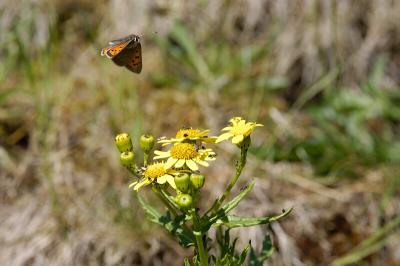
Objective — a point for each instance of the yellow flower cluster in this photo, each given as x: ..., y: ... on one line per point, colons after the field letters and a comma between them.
x: 187, y: 152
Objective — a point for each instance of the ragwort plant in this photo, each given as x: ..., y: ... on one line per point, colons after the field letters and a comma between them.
x: 175, y: 177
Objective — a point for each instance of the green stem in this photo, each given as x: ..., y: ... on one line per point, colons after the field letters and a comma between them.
x: 203, y: 256
x: 162, y: 197
x: 239, y: 168
x: 145, y: 159
x: 169, y: 198
x: 134, y: 170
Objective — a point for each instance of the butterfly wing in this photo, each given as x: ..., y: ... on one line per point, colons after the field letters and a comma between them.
x: 125, y: 52
x: 128, y: 38
x: 113, y: 50
x: 135, y: 59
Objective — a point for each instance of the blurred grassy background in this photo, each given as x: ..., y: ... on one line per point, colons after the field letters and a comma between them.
x: 322, y: 76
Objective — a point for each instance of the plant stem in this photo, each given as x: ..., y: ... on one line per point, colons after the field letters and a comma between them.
x: 133, y: 169
x: 170, y: 207
x: 162, y: 194
x: 239, y: 167
x: 145, y: 159
x: 203, y: 256
x: 200, y: 249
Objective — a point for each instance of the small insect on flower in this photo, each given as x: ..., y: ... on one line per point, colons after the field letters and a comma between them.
x: 125, y: 52
x: 238, y: 130
x: 188, y: 134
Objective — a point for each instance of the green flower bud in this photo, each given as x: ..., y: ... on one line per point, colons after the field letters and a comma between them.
x: 197, y: 180
x: 147, y: 142
x: 123, y: 142
x: 127, y: 158
x: 182, y: 182
x: 184, y: 201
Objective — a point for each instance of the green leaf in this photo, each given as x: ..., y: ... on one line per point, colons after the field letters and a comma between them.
x: 243, y: 255
x: 266, y: 252
x: 235, y: 201
x: 324, y: 82
x: 153, y: 214
x: 232, y: 221
x: 229, y: 206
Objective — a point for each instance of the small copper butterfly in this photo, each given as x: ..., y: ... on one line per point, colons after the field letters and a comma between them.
x: 125, y: 52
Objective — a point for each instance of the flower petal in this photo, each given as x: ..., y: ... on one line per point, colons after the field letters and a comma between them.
x: 223, y: 137
x: 170, y: 180
x: 237, y: 139
x: 209, y: 139
x: 170, y: 162
x: 226, y: 129
x: 203, y: 163
x: 241, y: 123
x: 161, y: 154
x: 180, y: 163
x: 202, y: 133
x: 192, y: 165
x: 162, y: 179
x: 143, y: 182
x: 132, y: 184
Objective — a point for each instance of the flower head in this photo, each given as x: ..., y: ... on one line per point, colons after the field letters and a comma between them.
x: 185, y: 154
x: 147, y: 142
x: 188, y: 135
x: 238, y: 130
x: 155, y: 172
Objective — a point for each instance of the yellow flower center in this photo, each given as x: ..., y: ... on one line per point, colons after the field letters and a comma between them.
x: 154, y: 170
x: 187, y: 133
x: 184, y: 151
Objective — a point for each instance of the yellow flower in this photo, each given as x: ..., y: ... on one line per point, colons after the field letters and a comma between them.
x: 188, y: 134
x: 155, y: 172
x: 238, y: 130
x: 182, y: 154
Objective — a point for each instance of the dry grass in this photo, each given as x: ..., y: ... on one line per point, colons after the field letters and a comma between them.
x: 64, y: 198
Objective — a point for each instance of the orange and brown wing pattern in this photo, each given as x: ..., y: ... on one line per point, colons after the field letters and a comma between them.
x: 113, y: 50
x: 135, y: 60
x: 126, y: 52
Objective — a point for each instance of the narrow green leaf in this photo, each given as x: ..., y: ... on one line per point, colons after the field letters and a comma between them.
x: 235, y: 201
x: 229, y: 206
x: 232, y: 221
x: 243, y: 255
x: 266, y: 252
x: 181, y: 35
x: 153, y: 214
x: 324, y: 82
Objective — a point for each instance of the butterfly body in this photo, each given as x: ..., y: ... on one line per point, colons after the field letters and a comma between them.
x: 126, y: 52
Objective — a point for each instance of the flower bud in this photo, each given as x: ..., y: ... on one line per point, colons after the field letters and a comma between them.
x: 123, y: 142
x: 147, y: 143
x: 184, y: 201
x: 197, y: 180
x: 127, y: 158
x: 182, y: 182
